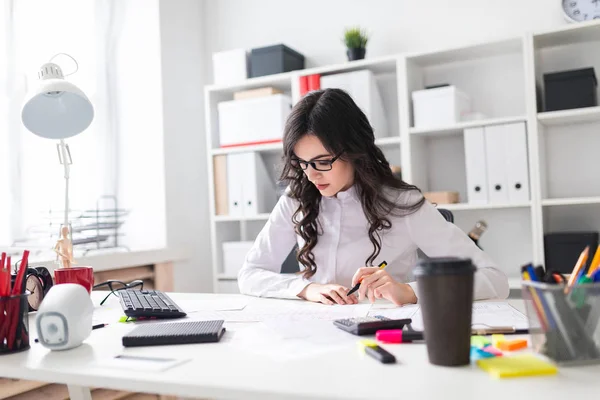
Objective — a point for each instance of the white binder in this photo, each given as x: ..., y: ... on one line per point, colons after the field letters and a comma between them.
x: 476, y: 166
x: 495, y: 150
x: 516, y: 162
x: 235, y: 179
x: 362, y: 87
x: 259, y: 190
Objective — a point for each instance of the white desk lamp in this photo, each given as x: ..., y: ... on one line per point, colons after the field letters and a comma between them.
x: 57, y: 109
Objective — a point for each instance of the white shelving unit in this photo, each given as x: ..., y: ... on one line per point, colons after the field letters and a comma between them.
x: 501, y: 78
x: 458, y: 129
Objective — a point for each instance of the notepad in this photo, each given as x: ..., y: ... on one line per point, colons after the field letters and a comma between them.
x: 155, y: 334
x: 516, y: 366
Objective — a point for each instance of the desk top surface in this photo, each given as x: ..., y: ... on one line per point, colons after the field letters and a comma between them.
x: 233, y: 368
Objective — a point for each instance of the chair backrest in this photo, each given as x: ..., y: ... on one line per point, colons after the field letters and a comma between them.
x: 290, y: 264
x: 447, y: 214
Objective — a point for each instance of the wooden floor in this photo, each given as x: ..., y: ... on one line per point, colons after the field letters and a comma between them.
x: 16, y: 389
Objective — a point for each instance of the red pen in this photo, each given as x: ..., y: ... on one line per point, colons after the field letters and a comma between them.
x: 398, y: 336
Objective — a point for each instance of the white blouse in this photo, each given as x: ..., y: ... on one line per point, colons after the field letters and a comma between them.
x: 344, y: 246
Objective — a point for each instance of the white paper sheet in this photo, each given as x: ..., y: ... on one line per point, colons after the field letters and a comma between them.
x: 140, y: 363
x: 406, y: 311
x: 490, y: 314
x: 290, y: 310
x: 221, y: 304
x: 487, y: 315
x: 288, y: 340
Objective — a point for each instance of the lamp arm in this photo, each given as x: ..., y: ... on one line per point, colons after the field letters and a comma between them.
x: 65, y: 159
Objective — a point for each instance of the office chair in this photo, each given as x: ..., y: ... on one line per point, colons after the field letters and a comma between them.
x: 290, y: 264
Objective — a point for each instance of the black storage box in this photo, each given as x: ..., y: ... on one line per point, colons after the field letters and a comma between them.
x: 562, y: 249
x: 274, y: 60
x: 570, y: 89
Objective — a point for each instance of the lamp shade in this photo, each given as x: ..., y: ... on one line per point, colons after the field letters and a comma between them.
x: 56, y: 109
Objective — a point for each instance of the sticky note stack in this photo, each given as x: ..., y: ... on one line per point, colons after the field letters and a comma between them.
x: 481, y: 347
x: 516, y: 366
x: 512, y: 345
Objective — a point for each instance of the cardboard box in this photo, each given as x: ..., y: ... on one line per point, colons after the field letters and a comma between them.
x: 253, y: 93
x: 253, y: 121
x: 440, y: 106
x: 442, y: 197
x: 230, y: 66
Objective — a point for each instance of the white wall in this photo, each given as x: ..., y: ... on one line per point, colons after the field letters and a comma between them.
x: 192, y: 30
x: 139, y: 109
x: 314, y: 27
x: 182, y: 38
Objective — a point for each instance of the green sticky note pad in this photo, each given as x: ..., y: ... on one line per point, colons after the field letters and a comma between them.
x: 516, y: 366
x: 479, y: 341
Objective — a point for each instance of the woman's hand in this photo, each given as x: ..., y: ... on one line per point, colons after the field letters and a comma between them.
x: 378, y: 284
x: 327, y: 294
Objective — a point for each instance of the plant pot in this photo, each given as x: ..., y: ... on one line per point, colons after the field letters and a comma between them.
x: 356, y: 54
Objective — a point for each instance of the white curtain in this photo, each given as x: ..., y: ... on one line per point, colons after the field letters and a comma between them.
x: 35, y: 31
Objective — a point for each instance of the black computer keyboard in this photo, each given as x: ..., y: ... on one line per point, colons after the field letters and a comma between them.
x: 149, y: 303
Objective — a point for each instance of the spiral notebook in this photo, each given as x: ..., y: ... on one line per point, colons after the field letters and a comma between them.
x: 150, y: 334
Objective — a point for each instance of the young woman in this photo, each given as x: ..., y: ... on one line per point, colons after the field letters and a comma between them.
x: 346, y: 210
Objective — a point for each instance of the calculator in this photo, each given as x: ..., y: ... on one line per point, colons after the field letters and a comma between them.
x: 369, y: 325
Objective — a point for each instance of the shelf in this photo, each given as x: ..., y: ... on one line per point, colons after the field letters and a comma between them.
x: 280, y: 81
x: 263, y: 148
x: 225, y: 277
x: 228, y: 218
x: 570, y: 34
x: 571, y: 201
x: 387, y: 141
x: 565, y: 117
x: 457, y: 129
x: 278, y: 147
x: 464, y: 53
x: 491, y: 206
x: 382, y: 65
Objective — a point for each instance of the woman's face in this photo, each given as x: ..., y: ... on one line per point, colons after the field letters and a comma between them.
x: 340, y: 174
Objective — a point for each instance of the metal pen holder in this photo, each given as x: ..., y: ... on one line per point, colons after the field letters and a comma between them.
x: 14, y: 324
x: 564, y: 323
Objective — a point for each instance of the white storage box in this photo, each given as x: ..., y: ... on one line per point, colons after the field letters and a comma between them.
x: 440, y: 106
x: 362, y: 87
x: 234, y: 255
x: 230, y: 66
x: 253, y: 121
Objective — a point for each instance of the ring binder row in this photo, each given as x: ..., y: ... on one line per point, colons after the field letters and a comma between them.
x: 497, y: 164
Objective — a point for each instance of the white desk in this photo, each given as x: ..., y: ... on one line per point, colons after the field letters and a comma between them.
x: 226, y: 371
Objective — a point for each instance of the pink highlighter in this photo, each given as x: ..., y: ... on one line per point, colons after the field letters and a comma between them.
x: 398, y: 336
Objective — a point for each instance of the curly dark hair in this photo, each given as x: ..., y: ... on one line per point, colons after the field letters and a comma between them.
x: 341, y: 126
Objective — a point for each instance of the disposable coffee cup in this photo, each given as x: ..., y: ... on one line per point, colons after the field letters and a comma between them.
x: 445, y: 293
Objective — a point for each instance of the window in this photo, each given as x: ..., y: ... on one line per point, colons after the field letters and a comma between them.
x: 117, y: 46
x: 35, y: 32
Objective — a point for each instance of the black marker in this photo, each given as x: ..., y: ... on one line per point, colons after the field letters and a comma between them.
x: 380, y: 354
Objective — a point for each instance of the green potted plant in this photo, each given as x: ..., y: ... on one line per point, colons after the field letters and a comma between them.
x: 355, y: 40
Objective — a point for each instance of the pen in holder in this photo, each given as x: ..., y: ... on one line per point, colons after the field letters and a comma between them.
x: 564, y: 325
x: 14, y: 324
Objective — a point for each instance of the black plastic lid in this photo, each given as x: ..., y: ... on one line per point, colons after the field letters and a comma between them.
x: 575, y: 73
x: 444, y: 266
x: 276, y: 47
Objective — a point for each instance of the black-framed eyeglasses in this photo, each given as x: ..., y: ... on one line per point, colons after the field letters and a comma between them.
x: 115, y: 286
x: 318, y: 165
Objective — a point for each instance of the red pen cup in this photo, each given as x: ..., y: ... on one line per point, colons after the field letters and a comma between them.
x: 397, y: 336
x: 14, y: 324
x: 81, y: 275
